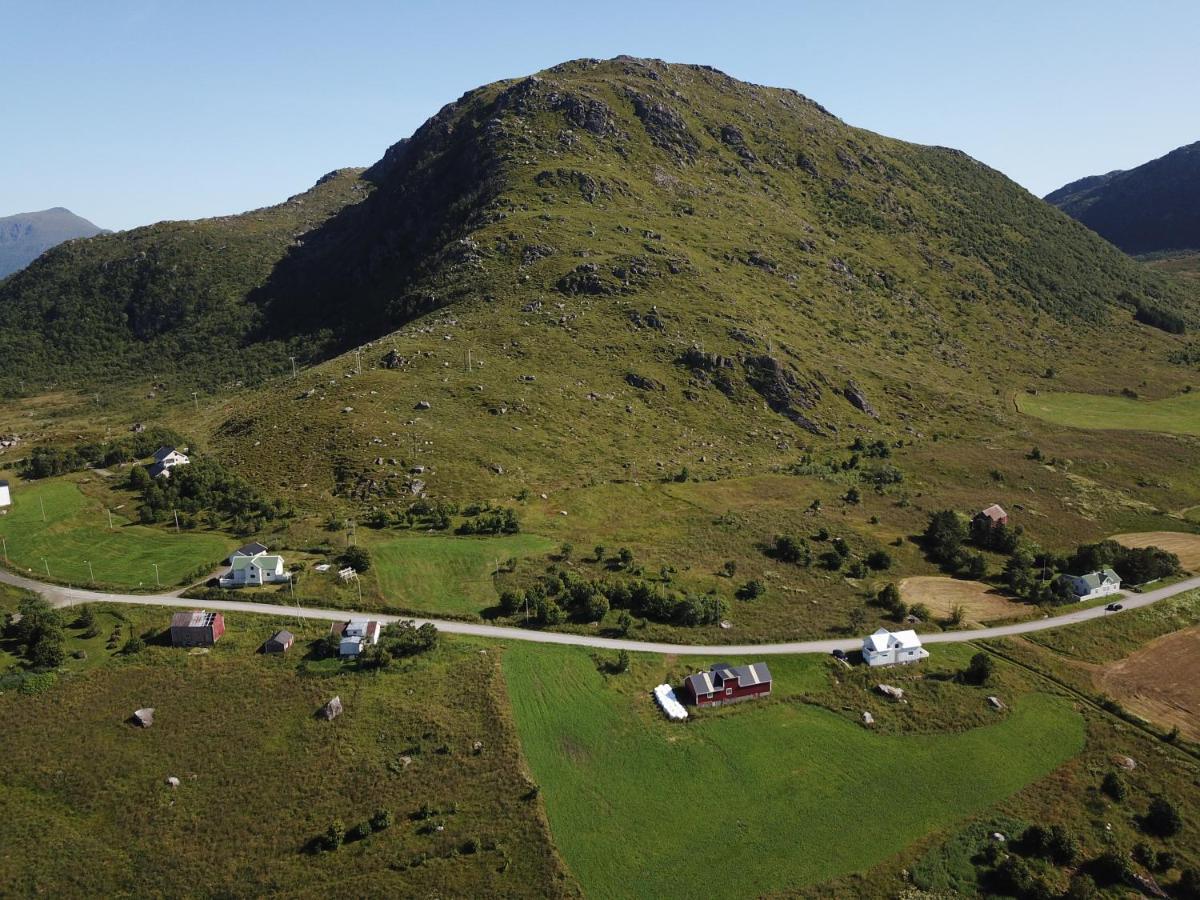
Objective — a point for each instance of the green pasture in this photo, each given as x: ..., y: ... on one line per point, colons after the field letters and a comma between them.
x: 446, y: 574
x: 757, y: 798
x: 53, y: 525
x: 1172, y: 415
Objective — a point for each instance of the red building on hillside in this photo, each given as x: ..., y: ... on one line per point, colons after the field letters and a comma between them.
x: 728, y: 684
x: 196, y: 629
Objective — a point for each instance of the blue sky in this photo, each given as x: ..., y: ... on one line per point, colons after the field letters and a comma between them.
x: 132, y: 111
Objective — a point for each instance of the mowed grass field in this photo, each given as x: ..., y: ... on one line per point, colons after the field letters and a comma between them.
x: 75, y: 531
x: 1160, y: 682
x: 757, y: 798
x: 981, y: 602
x: 1185, y: 546
x: 85, y: 809
x: 444, y: 573
x: 1172, y: 415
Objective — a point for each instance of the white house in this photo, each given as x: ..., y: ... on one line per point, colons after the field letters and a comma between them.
x: 5, y: 497
x: 250, y: 571
x: 165, y: 459
x: 889, y: 648
x: 356, y: 634
x: 1093, y: 584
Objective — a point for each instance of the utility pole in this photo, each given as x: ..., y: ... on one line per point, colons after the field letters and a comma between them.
x: 156, y: 578
x: 353, y: 536
x: 196, y: 400
x: 4, y: 542
x: 176, y: 520
x: 91, y: 574
x: 47, y: 565
x: 358, y: 584
x: 293, y: 359
x: 358, y: 362
x: 42, y: 504
x: 468, y: 359
x: 110, y: 525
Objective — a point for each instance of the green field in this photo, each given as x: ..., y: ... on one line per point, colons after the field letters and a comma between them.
x: 85, y: 809
x: 445, y: 574
x: 1173, y: 415
x: 75, y: 531
x: 794, y: 793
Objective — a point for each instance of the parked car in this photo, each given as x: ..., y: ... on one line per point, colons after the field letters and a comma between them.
x: 839, y: 654
x: 1114, y: 607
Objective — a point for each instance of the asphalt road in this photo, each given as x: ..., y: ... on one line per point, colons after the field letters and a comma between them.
x: 62, y: 596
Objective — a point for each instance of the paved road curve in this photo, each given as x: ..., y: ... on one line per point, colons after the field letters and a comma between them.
x: 61, y: 596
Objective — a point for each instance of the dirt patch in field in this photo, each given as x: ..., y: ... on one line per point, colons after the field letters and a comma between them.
x: 982, y: 602
x: 1160, y: 682
x: 1185, y: 546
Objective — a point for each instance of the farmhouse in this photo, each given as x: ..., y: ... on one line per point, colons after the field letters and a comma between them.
x: 165, y: 459
x: 251, y: 571
x: 888, y: 648
x: 5, y: 497
x: 728, y: 684
x: 995, y: 514
x: 279, y: 642
x: 1093, y: 584
x: 198, y: 628
x: 355, y: 634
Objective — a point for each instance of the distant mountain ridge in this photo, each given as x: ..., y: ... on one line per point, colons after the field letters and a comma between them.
x: 26, y: 236
x: 1151, y: 208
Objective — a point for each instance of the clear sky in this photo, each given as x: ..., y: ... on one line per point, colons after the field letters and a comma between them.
x: 132, y: 111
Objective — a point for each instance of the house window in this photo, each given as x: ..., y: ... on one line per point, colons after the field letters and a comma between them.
x: 728, y: 692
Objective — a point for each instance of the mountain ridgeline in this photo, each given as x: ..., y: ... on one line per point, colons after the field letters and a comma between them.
x: 1150, y: 209
x: 737, y: 209
x: 26, y: 236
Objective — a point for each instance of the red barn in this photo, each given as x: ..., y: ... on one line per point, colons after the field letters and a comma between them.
x: 728, y: 684
x: 995, y: 514
x: 198, y: 628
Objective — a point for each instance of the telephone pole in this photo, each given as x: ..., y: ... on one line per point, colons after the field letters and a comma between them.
x: 196, y: 400
x: 156, y: 578
x: 293, y: 359
x: 176, y: 520
x: 4, y: 543
x: 47, y: 565
x: 91, y: 574
x: 42, y: 504
x: 110, y: 525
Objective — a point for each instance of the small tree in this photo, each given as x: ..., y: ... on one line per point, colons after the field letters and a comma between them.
x: 729, y: 569
x: 1114, y: 785
x: 596, y: 607
x: 979, y: 670
x: 359, y: 832
x: 382, y: 819
x: 134, y: 645
x: 751, y: 590
x: 599, y: 551
x: 357, y: 558
x: 565, y: 551
x: 335, y: 835
x: 624, y: 622
x: 888, y: 596
x: 852, y: 496
x: 622, y: 664
x: 1162, y: 818
x: 958, y: 612
x: 625, y: 557
x: 879, y: 560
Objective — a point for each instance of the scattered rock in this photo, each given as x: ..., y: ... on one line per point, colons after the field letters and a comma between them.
x: 1125, y: 762
x: 423, y: 404
x: 998, y: 837
x: 859, y: 400
x: 173, y: 781
x: 643, y: 383
x: 868, y: 719
x: 393, y: 360
x: 144, y: 718
x: 331, y: 710
x: 725, y: 623
x: 477, y: 747
x: 888, y: 691
x: 497, y: 468
x: 137, y: 428
x: 347, y: 409
x: 995, y: 702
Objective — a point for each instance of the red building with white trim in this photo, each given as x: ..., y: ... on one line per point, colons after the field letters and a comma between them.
x: 728, y: 684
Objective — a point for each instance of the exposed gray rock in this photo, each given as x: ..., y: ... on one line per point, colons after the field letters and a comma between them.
x: 644, y: 383
x: 858, y: 399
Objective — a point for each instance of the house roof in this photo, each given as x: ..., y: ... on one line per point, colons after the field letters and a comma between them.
x: 714, y: 679
x: 162, y: 453
x: 995, y: 512
x: 887, y: 640
x: 283, y: 637
x: 1093, y: 580
x: 262, y: 561
x: 197, y: 618
x: 251, y: 549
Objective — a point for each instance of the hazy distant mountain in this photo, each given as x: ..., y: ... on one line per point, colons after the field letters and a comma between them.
x: 26, y: 236
x: 1151, y: 208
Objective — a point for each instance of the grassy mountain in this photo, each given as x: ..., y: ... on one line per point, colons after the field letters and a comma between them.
x: 167, y: 297
x: 1152, y: 208
x: 26, y: 236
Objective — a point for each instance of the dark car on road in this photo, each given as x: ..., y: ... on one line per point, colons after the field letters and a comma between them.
x: 839, y: 654
x: 1114, y: 607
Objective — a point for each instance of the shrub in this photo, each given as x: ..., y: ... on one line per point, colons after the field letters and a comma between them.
x: 335, y: 835
x: 979, y: 670
x: 133, y: 646
x: 406, y: 638
x: 382, y: 819
x: 624, y: 622
x: 1162, y: 818
x: 356, y: 557
x: 879, y: 560
x: 788, y: 549
x: 751, y: 590
x: 359, y: 832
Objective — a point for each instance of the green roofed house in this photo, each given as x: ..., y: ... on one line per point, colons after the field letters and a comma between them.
x: 251, y: 571
x: 1093, y: 584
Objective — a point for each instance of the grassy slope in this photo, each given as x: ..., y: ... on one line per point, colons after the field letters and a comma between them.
x: 84, y: 808
x: 76, y: 531
x: 779, y: 787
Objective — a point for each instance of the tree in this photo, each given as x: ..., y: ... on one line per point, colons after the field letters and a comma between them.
x: 599, y: 551
x: 356, y: 557
x: 1114, y: 785
x: 382, y: 820
x: 858, y: 619
x: 888, y: 596
x: 335, y: 834
x: 511, y: 602
x: 1162, y: 818
x: 1082, y: 887
x: 788, y: 549
x: 622, y: 664
x: 1061, y: 846
x: 565, y: 551
x: 729, y: 569
x: 133, y: 646
x: 406, y: 638
x: 852, y: 496
x: 751, y: 590
x: 47, y: 653
x: 879, y: 560
x: 1188, y: 887
x: 980, y: 669
x: 624, y: 622
x: 944, y: 535
x: 973, y: 565
x: 920, y: 611
x: 596, y: 607
x: 625, y: 557
x: 958, y: 613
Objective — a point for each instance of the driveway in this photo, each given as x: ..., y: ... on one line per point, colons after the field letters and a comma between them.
x: 63, y: 596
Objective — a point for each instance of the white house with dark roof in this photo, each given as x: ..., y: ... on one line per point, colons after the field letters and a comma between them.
x: 166, y: 459
x: 890, y: 648
x: 1093, y: 584
x: 252, y: 571
x: 355, y: 635
x: 5, y: 497
x: 254, y: 548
